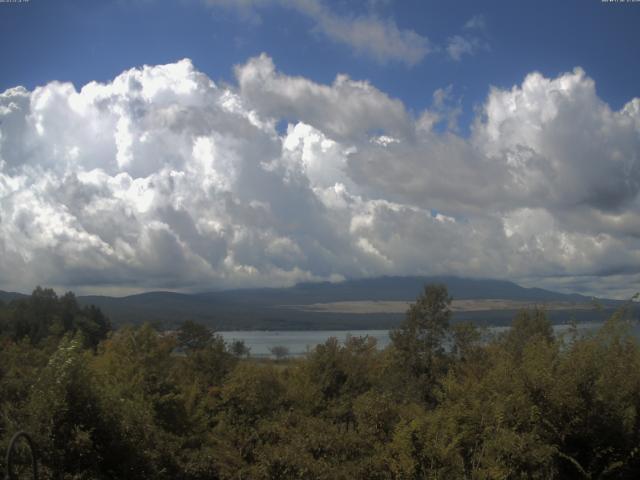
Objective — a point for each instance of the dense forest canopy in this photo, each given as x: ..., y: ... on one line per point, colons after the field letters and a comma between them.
x: 442, y: 401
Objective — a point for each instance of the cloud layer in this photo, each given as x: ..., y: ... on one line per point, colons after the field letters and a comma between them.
x: 163, y: 179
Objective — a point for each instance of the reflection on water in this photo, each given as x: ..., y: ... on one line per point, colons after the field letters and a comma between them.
x: 299, y: 342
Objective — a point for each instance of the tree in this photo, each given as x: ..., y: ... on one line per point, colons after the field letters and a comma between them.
x: 240, y: 349
x: 92, y: 324
x: 251, y: 394
x: 193, y: 336
x: 527, y: 326
x: 209, y: 365
x: 419, y: 341
x: 279, y: 351
x: 466, y: 339
x: 44, y: 315
x: 64, y: 414
x: 33, y: 316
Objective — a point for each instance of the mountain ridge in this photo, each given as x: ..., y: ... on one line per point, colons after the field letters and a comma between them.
x: 269, y: 308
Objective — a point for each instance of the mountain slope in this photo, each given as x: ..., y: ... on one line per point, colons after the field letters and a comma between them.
x: 6, y: 297
x: 394, y: 288
x: 270, y: 308
x: 283, y: 308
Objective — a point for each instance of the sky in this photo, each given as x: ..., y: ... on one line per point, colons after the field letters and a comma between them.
x: 197, y: 145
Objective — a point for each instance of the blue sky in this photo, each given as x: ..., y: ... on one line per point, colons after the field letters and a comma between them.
x: 201, y: 144
x: 80, y: 41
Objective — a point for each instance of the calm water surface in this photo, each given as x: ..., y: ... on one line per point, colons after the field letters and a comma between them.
x: 300, y: 342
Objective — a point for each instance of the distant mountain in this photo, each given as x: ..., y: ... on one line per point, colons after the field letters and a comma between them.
x: 271, y: 308
x: 6, y: 297
x: 396, y: 288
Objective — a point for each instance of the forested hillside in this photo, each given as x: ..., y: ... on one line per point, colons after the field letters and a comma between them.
x: 443, y: 401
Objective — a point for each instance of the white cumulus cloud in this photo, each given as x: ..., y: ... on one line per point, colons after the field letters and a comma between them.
x: 162, y: 179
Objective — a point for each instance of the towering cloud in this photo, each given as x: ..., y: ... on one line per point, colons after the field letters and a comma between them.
x: 163, y: 179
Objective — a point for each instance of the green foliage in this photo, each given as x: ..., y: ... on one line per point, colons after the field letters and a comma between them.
x: 239, y: 349
x: 44, y: 315
x: 527, y: 326
x: 440, y: 402
x: 193, y: 336
x: 419, y: 342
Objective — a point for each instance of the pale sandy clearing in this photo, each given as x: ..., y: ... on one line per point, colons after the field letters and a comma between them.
x: 383, y: 306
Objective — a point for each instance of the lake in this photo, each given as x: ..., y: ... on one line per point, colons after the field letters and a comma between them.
x: 300, y: 342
